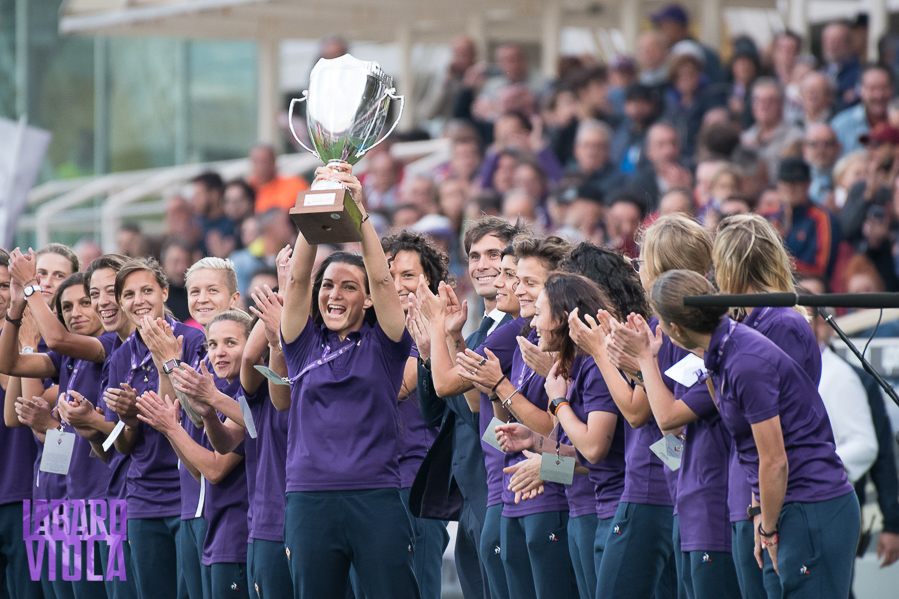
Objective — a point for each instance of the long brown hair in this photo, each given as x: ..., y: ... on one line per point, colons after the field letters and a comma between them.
x: 565, y: 292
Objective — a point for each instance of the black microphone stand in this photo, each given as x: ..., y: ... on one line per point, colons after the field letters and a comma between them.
x: 888, y: 388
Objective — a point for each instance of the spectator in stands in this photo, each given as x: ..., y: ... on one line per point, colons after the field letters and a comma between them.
x: 817, y: 93
x: 849, y: 170
x: 672, y: 21
x: 688, y: 95
x: 771, y: 134
x: 821, y: 148
x: 591, y: 88
x: 623, y: 219
x: 261, y: 277
x: 852, y: 123
x: 463, y: 57
x: 240, y: 203
x: 662, y: 169
x: 787, y: 47
x: 745, y: 67
x: 514, y: 76
x: 652, y: 54
x: 518, y: 207
x: 893, y: 112
x: 179, y: 219
x: 176, y: 257
x: 841, y: 66
x: 272, y: 190
x: 218, y: 236
x: 678, y: 200
x: 421, y: 192
x: 276, y: 231
x: 584, y: 214
x: 87, y: 251
x: 130, y: 241
x: 810, y: 233
x: 622, y: 75
x: 593, y: 157
x: 466, y: 154
x: 383, y: 182
x: 641, y: 108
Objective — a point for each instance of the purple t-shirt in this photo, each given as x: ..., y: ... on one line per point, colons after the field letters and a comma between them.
x: 530, y: 386
x: 702, y: 478
x: 226, y: 508
x: 343, y: 412
x: 792, y: 333
x: 502, y: 342
x: 47, y: 485
x: 153, y: 486
x: 88, y: 477
x: 414, y: 437
x: 267, y: 487
x: 644, y: 478
x: 589, y: 393
x: 754, y: 381
x: 117, y: 463
x: 19, y: 449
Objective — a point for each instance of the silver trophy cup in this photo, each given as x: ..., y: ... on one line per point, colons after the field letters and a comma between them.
x: 346, y: 111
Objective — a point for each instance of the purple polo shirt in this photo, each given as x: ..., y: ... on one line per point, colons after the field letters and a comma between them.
x: 644, y: 478
x: 589, y: 393
x: 19, y: 449
x: 553, y: 499
x: 502, y: 342
x: 88, y: 477
x: 343, y: 413
x: 225, y: 509
x: 580, y: 493
x: 789, y: 331
x: 46, y: 484
x: 153, y: 486
x: 754, y: 381
x: 268, y: 469
x: 702, y: 508
x: 414, y: 437
x: 117, y: 463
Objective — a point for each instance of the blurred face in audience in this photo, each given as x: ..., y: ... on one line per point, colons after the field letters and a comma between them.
x: 591, y: 150
x: 421, y: 192
x: 384, y: 172
x: 466, y: 159
x: 504, y: 175
x: 564, y: 109
x: 584, y: 215
x: 638, y: 110
x: 767, y: 105
x: 208, y: 294
x: 249, y: 231
x: 512, y: 62
x: 464, y: 54
x: 652, y: 48
x: 175, y: 263
x: 876, y: 93
x: 595, y: 95
x: 405, y: 268
x: 258, y: 280
x: 704, y: 172
x: 863, y: 282
x: 821, y: 147
x: 129, y: 243
x: 854, y: 173
x: 675, y: 201
x: 686, y: 77
x: 769, y: 201
x: 835, y: 43
x: 405, y: 216
x: 733, y: 206
x: 529, y: 179
x: 744, y: 70
x: 623, y: 220
x: 794, y: 193
x: 724, y: 186
x: 484, y: 263
x: 509, y: 132
x: 452, y: 198
x: 517, y: 204
x: 262, y: 164
x: 662, y: 145
x: 238, y: 204
x: 786, y: 49
x: 816, y: 94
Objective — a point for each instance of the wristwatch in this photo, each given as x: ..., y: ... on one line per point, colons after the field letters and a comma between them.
x: 31, y: 290
x: 169, y: 366
x: 639, y: 376
x: 753, y: 511
x: 27, y: 350
x: 555, y: 404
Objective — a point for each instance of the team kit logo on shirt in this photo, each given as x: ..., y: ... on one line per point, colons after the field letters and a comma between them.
x: 72, y: 529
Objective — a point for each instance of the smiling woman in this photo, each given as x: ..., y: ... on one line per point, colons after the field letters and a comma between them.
x: 211, y: 288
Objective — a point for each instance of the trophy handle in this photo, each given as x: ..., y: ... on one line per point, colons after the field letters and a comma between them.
x: 290, y: 123
x: 392, y: 96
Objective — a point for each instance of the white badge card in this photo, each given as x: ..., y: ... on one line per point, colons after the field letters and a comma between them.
x: 557, y: 469
x: 247, y: 416
x: 58, y: 448
x: 670, y: 450
x: 490, y: 434
x: 119, y: 427
x: 272, y: 375
x: 687, y: 371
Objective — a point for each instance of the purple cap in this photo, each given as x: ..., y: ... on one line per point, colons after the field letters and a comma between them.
x: 671, y: 12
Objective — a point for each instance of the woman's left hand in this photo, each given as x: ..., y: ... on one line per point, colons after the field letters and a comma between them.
x: 159, y: 413
x: 555, y: 385
x: 525, y: 481
x: 477, y: 369
x: 537, y: 360
x: 160, y: 340
x: 342, y: 173
x: 199, y: 386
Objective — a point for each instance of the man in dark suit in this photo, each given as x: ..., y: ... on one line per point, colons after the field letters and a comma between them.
x: 452, y: 481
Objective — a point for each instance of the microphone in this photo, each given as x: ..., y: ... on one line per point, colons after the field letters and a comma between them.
x: 778, y: 300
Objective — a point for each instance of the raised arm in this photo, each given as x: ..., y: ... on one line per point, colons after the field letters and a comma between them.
x: 297, y: 288
x: 383, y: 291
x: 447, y: 380
x: 54, y: 334
x: 11, y: 361
x: 269, y: 309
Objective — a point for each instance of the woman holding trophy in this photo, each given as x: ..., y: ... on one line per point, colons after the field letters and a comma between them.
x: 343, y: 498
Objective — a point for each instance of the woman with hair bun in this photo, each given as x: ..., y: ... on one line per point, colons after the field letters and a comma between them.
x: 808, y: 523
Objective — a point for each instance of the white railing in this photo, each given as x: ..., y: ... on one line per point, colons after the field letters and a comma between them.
x: 59, y: 205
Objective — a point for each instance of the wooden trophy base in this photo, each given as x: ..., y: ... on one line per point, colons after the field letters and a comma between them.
x: 327, y: 216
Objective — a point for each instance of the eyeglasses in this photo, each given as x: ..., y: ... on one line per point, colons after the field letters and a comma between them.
x: 636, y: 262
x: 825, y: 143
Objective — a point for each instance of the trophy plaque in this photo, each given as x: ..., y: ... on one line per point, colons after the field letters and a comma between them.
x: 346, y: 110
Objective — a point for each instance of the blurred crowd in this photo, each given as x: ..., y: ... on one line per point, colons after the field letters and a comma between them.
x: 603, y: 150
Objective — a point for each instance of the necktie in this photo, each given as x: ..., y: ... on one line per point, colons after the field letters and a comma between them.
x: 481, y: 335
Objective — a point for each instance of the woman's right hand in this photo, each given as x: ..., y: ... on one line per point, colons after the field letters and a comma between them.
x: 268, y: 308
x: 342, y: 173
x: 515, y: 437
x: 22, y: 267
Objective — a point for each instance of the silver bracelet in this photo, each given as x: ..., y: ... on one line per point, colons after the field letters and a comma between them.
x: 508, y: 401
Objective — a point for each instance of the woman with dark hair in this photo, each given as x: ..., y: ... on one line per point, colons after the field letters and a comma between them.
x: 343, y: 501
x: 144, y: 363
x: 808, y: 523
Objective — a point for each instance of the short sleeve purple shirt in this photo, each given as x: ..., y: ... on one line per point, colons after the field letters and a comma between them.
x: 414, y: 437
x: 19, y: 448
x: 355, y: 391
x: 267, y: 491
x: 755, y: 380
